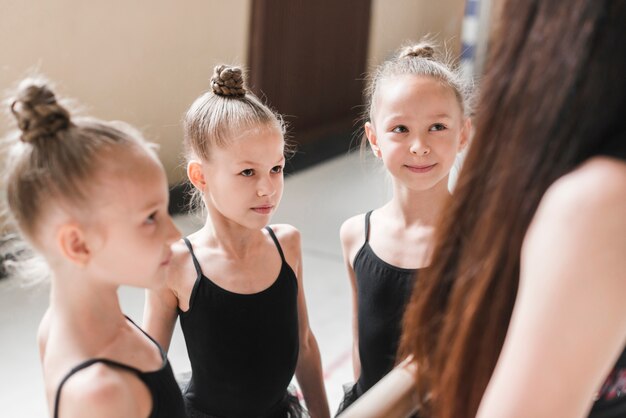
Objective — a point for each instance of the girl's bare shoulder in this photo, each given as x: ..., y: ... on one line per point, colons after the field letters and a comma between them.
x: 181, y: 266
x: 288, y: 236
x: 105, y: 392
x: 352, y: 231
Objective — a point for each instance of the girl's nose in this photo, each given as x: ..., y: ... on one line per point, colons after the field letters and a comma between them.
x: 419, y: 148
x: 266, y: 188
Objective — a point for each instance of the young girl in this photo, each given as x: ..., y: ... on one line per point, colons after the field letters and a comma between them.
x: 91, y: 197
x: 237, y: 283
x: 417, y: 125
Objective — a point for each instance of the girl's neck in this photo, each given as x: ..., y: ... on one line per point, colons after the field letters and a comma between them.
x: 86, y: 304
x: 234, y: 239
x: 418, y: 207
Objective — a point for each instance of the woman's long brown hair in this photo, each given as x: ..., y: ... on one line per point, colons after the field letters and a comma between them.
x: 554, y: 90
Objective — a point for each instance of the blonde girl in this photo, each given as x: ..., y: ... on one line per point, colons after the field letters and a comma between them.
x: 417, y: 123
x: 91, y: 198
x: 237, y: 282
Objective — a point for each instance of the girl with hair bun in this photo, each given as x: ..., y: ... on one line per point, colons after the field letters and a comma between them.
x: 237, y: 282
x: 91, y: 197
x: 417, y: 123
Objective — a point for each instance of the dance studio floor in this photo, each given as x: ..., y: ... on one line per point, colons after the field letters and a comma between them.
x: 316, y: 201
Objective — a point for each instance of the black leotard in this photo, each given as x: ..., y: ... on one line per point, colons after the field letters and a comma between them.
x: 243, y: 348
x: 167, y: 401
x: 383, y: 291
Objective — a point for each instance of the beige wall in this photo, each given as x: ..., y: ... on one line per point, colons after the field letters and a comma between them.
x: 141, y: 62
x: 144, y: 62
x: 394, y: 22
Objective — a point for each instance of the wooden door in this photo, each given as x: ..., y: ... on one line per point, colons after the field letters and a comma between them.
x: 307, y: 59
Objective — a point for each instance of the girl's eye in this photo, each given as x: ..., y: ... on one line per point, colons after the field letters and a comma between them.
x: 151, y: 218
x: 247, y: 173
x: 277, y: 169
x: 437, y: 127
x: 400, y: 129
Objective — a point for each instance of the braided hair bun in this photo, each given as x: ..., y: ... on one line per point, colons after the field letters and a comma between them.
x: 228, y: 81
x: 38, y: 115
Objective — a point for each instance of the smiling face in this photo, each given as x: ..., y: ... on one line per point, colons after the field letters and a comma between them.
x: 133, y: 231
x: 417, y: 129
x: 243, y: 181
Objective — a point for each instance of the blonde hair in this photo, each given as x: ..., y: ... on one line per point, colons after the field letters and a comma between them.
x: 52, y: 155
x: 420, y: 59
x: 217, y: 115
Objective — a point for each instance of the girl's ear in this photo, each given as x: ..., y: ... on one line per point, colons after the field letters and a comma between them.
x: 466, y: 133
x: 370, y: 133
x: 73, y: 245
x: 195, y: 174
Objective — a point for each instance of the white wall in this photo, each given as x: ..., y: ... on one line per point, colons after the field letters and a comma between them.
x: 139, y: 61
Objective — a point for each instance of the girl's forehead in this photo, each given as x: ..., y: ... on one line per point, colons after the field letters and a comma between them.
x: 131, y: 181
x: 254, y: 144
x: 254, y: 131
x: 415, y: 93
x: 407, y: 85
x: 131, y: 163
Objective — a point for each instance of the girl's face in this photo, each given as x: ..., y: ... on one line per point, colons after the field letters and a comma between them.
x: 133, y: 230
x: 243, y: 181
x: 417, y: 129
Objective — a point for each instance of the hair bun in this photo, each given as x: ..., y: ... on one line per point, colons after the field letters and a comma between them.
x: 421, y: 50
x: 228, y: 81
x: 37, y: 112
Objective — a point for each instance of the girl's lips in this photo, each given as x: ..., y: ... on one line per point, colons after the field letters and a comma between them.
x: 263, y: 210
x: 420, y: 168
